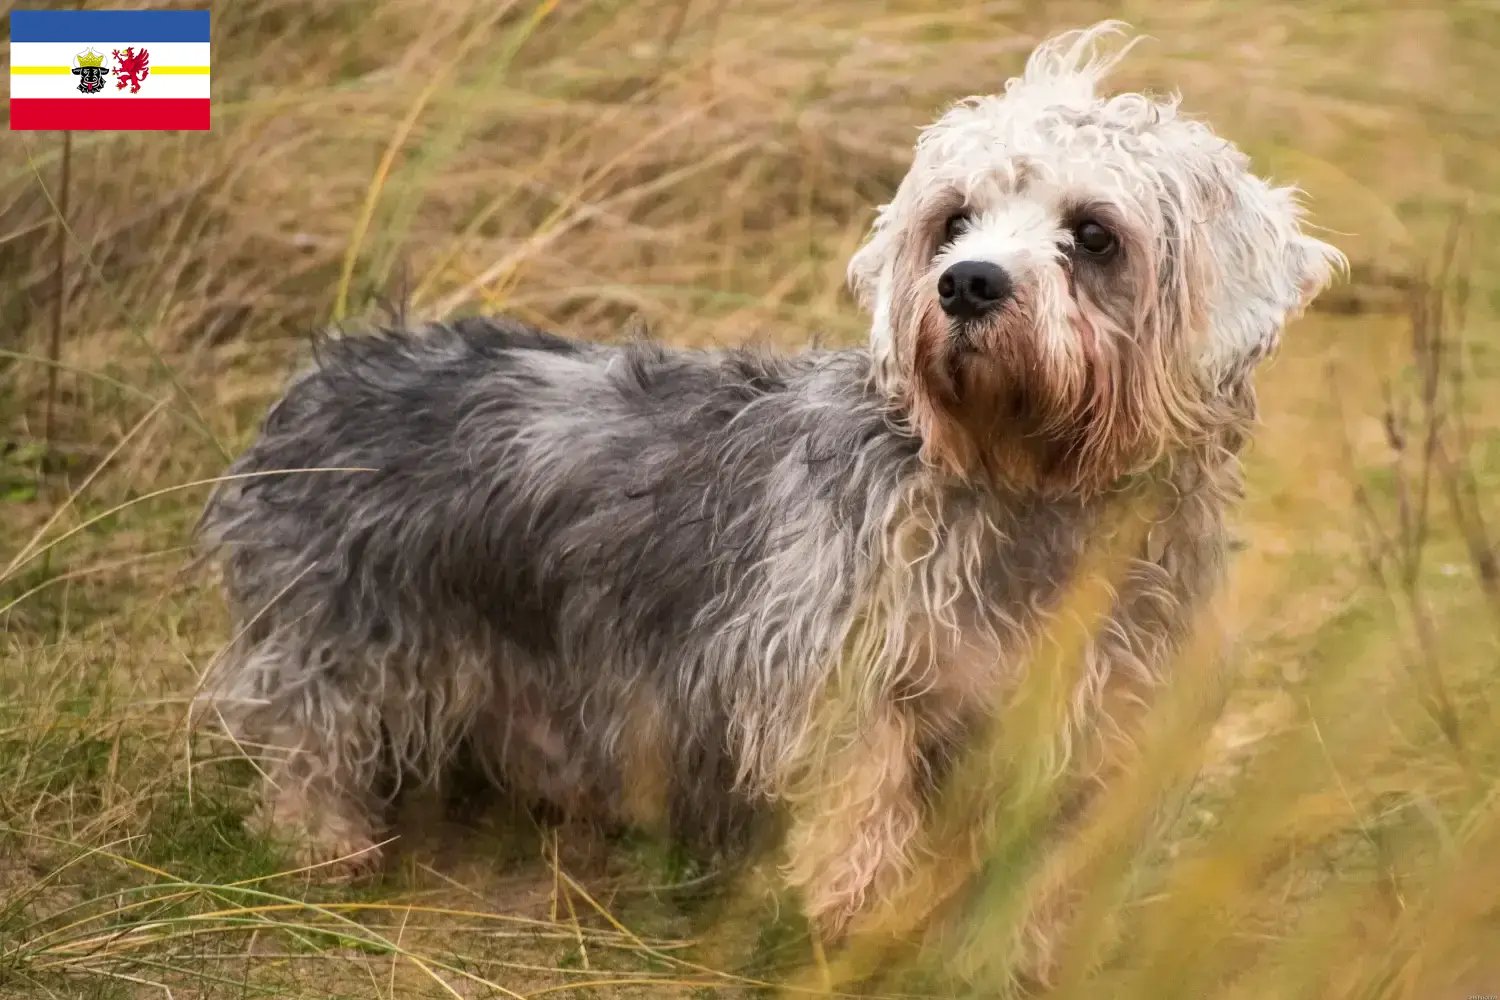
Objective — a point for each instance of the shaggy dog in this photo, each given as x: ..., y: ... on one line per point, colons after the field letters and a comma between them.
x: 583, y: 565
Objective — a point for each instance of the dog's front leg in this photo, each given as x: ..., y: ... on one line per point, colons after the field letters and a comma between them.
x: 1152, y: 642
x: 854, y: 827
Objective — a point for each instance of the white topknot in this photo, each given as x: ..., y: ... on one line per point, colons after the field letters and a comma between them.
x: 1072, y: 63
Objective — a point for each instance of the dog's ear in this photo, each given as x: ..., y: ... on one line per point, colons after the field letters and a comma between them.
x: 1269, y: 271
x: 1308, y: 264
x: 1314, y: 265
x: 868, y: 263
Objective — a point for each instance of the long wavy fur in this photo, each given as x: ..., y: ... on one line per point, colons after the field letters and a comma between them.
x: 777, y: 585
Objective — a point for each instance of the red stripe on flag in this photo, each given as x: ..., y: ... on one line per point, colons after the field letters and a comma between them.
x: 116, y: 115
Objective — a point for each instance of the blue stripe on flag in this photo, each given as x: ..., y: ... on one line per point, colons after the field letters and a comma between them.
x: 109, y: 26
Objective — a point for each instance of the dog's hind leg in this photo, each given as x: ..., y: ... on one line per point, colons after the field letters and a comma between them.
x: 320, y: 748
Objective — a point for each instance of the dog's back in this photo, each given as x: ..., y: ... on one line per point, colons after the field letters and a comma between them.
x: 483, y: 534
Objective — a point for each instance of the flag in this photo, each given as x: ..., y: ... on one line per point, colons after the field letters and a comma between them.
x: 108, y: 69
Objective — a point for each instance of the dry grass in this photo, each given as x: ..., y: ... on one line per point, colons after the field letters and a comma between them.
x: 706, y: 168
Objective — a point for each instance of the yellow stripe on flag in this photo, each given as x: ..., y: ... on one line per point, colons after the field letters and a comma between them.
x: 155, y: 70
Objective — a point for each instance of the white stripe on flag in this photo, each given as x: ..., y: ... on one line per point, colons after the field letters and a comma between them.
x: 38, y: 85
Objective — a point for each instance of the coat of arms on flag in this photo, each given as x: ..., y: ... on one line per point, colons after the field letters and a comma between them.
x: 89, y: 67
x: 109, y: 69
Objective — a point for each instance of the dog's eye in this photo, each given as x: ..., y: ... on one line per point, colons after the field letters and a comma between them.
x: 955, y: 227
x: 1093, y: 239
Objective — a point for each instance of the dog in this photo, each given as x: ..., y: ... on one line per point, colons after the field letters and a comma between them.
x: 628, y: 580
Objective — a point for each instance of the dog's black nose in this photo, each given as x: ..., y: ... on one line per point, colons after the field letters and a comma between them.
x: 972, y: 288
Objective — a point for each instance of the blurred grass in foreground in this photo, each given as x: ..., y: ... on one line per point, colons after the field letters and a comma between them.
x: 706, y: 168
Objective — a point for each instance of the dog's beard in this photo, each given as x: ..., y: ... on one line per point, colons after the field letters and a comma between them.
x: 1038, y: 406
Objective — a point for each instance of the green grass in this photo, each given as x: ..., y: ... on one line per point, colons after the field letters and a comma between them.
x: 706, y: 169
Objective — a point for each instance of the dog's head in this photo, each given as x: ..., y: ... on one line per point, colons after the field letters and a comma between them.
x: 1067, y: 286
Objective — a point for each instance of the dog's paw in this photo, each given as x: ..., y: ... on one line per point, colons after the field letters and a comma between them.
x: 331, y: 846
x: 1035, y: 970
x: 338, y: 859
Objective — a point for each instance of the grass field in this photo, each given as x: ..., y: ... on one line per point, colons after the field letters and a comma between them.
x: 706, y: 167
